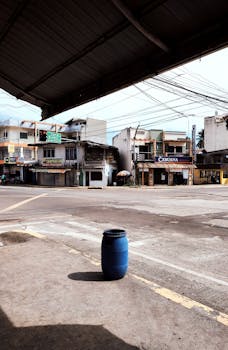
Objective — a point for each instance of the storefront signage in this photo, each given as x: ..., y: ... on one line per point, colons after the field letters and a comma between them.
x: 173, y: 159
x: 52, y: 161
x: 53, y: 137
x: 11, y: 148
x: 10, y: 160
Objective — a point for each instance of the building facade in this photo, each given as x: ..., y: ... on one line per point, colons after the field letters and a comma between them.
x: 216, y: 133
x: 75, y: 163
x: 14, y: 150
x: 212, y: 163
x: 18, y: 139
x: 85, y: 129
x: 155, y: 156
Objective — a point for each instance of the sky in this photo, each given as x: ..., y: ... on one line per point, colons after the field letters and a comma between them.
x: 172, y: 101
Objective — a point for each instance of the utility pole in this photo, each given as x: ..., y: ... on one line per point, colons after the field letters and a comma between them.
x: 193, y: 143
x: 134, y: 154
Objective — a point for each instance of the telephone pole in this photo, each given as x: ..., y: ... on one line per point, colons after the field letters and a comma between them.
x: 134, y: 154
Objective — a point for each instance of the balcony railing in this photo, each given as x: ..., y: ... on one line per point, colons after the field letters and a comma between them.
x: 4, y: 139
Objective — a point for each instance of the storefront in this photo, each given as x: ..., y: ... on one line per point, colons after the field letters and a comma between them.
x: 166, y: 171
x: 50, y: 177
x: 9, y: 167
x: 211, y: 175
x: 212, y: 168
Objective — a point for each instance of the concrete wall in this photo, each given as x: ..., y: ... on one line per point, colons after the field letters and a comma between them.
x: 215, y: 134
x: 123, y: 142
x: 14, y: 135
x: 94, y: 130
x: 174, y: 135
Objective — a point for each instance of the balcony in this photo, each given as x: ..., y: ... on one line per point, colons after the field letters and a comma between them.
x: 4, y: 139
x: 177, y: 154
x: 144, y: 156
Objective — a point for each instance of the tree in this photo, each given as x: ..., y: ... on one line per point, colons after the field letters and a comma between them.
x: 200, y: 139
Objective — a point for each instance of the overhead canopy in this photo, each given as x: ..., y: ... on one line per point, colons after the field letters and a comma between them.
x: 60, y: 54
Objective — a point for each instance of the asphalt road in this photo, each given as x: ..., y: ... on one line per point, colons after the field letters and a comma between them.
x: 178, y: 243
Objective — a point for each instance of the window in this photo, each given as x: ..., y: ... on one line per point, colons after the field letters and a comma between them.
x: 23, y: 135
x: 71, y: 153
x: 49, y: 152
x: 202, y: 173
x: 169, y: 149
x: 225, y: 174
x: 178, y: 149
x: 96, y: 175
x: 27, y: 154
x: 5, y: 134
x: 94, y: 153
x: 43, y: 135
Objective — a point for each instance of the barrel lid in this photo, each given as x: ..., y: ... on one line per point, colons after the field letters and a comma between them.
x: 115, y: 232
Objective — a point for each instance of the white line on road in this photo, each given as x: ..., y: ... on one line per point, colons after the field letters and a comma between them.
x: 184, y: 301
x: 23, y: 202
x: 194, y: 273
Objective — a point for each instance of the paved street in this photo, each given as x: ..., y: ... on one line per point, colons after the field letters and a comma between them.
x: 175, y: 295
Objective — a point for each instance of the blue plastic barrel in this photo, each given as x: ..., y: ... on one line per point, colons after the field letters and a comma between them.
x: 114, y: 251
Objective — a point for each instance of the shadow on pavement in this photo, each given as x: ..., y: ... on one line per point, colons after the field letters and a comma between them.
x: 87, y: 276
x: 58, y: 337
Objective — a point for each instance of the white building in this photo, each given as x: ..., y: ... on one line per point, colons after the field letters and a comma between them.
x: 15, y: 135
x: 15, y: 152
x: 86, y: 129
x: 74, y: 163
x: 216, y: 133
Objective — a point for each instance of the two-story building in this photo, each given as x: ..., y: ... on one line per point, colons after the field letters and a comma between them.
x: 14, y: 150
x: 212, y: 163
x: 18, y: 139
x: 75, y: 163
x: 156, y: 156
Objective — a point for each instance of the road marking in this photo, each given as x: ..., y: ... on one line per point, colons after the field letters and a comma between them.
x: 23, y: 202
x: 194, y: 273
x: 169, y: 294
x: 184, y: 301
x: 92, y: 260
x: 87, y: 227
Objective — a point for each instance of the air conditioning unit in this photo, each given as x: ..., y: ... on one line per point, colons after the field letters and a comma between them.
x: 219, y: 119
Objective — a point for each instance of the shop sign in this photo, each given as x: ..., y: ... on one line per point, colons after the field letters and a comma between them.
x: 145, y: 170
x: 173, y: 159
x: 10, y: 160
x: 52, y: 161
x: 53, y: 137
x: 11, y: 149
x: 185, y: 174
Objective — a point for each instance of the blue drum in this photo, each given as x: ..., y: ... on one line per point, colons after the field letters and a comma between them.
x: 114, y: 251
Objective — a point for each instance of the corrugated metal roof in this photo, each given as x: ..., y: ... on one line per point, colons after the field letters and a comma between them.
x: 59, y: 54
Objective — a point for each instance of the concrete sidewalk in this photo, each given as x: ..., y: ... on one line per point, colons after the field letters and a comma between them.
x: 54, y: 297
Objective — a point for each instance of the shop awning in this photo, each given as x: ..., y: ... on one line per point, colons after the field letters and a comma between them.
x: 167, y: 166
x: 50, y: 171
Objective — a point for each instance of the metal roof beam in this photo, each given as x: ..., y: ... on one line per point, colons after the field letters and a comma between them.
x: 210, y: 39
x: 39, y: 101
x: 101, y: 40
x: 13, y: 18
x: 134, y: 21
